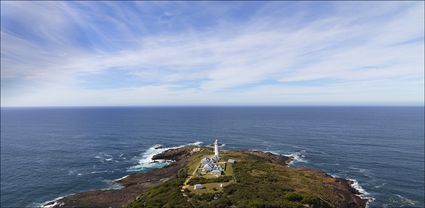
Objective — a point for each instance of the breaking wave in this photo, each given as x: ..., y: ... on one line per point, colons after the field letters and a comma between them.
x: 363, y: 193
x: 146, y: 162
x: 298, y: 157
x: 51, y: 203
x: 273, y: 152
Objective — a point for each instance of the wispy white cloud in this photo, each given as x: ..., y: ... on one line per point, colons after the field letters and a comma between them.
x: 280, y: 53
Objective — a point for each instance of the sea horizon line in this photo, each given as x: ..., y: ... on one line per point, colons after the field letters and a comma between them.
x: 212, y: 106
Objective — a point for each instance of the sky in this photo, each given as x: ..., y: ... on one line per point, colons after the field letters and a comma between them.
x: 211, y: 53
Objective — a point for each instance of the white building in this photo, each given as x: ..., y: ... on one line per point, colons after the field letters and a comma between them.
x: 205, y: 161
x: 216, y: 172
x: 198, y: 186
x: 216, y: 151
x: 209, y: 164
x: 208, y: 167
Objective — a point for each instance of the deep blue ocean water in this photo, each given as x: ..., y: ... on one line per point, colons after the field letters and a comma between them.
x: 51, y: 152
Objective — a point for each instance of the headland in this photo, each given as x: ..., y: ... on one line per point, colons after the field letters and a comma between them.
x: 237, y: 178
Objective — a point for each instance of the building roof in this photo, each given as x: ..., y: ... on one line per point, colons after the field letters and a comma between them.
x: 198, y: 186
x: 208, y: 167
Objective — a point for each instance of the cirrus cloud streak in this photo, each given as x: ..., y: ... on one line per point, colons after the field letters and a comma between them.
x: 159, y: 53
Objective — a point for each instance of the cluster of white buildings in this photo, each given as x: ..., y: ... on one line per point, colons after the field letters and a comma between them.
x: 210, y: 164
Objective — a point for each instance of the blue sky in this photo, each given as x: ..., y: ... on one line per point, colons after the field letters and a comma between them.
x: 212, y: 53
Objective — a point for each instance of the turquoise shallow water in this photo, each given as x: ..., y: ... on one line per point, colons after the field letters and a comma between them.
x: 51, y: 152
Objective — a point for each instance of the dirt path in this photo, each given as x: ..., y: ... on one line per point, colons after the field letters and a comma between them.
x: 185, y: 184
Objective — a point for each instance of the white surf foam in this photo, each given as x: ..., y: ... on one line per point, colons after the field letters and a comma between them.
x: 273, y: 152
x: 334, y: 175
x: 101, y: 171
x: 103, y: 157
x: 363, y: 193
x: 364, y: 172
x: 380, y: 186
x: 146, y: 161
x: 355, y: 184
x: 298, y: 157
x: 120, y: 178
x: 405, y: 201
x: 51, y: 203
x: 112, y: 185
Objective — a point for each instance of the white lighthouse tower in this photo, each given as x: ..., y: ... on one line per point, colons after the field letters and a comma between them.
x: 216, y: 151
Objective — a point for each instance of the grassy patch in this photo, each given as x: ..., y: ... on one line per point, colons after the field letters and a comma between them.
x: 166, y: 195
x: 228, y: 171
x: 203, y: 180
x: 209, y: 188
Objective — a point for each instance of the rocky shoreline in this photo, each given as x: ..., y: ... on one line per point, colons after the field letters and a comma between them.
x: 133, y: 185
x: 136, y: 184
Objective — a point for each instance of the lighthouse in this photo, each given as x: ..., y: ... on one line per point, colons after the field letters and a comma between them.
x: 216, y: 152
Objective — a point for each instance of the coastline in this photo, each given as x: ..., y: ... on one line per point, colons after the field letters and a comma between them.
x: 177, y: 156
x: 362, y: 193
x: 53, y: 203
x: 152, y: 178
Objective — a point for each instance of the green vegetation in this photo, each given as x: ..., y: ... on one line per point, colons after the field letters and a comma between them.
x: 262, y: 184
x: 228, y: 169
x: 166, y: 195
x: 209, y: 188
x: 254, y: 182
x: 203, y: 180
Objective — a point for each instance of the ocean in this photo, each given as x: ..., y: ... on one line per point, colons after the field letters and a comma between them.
x: 51, y: 152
